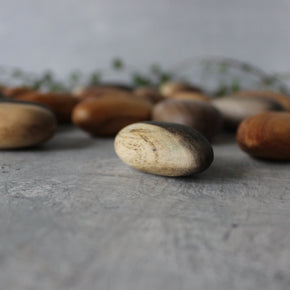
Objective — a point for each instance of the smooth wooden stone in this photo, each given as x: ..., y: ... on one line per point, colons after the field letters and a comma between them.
x: 24, y: 125
x: 189, y: 95
x: 266, y: 135
x: 149, y: 94
x: 163, y: 148
x: 198, y: 115
x: 105, y: 116
x: 101, y: 90
x: 283, y: 99
x: 61, y: 104
x: 167, y: 89
x: 235, y: 109
x: 13, y: 92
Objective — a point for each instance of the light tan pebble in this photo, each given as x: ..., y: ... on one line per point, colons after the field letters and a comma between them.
x: 235, y: 109
x: 283, y: 99
x: 163, y: 148
x: 189, y: 95
x: 169, y: 88
x: 24, y: 125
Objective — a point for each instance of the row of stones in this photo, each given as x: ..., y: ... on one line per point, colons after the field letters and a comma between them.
x: 105, y: 110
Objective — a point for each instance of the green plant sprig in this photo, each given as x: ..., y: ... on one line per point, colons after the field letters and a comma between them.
x: 154, y: 76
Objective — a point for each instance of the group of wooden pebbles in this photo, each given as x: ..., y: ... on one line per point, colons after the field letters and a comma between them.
x: 166, y: 131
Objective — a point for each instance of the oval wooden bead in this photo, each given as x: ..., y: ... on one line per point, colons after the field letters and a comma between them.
x: 189, y: 95
x: 266, y: 135
x: 201, y: 116
x: 24, y: 125
x: 149, y: 94
x: 105, y: 116
x: 283, y: 99
x: 169, y: 88
x: 101, y: 90
x: 235, y: 109
x: 163, y: 148
x: 61, y: 104
x: 13, y: 92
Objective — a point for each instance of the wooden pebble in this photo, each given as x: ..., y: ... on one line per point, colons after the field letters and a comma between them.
x: 149, y: 94
x: 201, y: 116
x: 266, y: 135
x: 24, y: 125
x: 60, y: 103
x: 169, y: 88
x: 105, y: 116
x: 100, y: 91
x: 189, y: 95
x: 235, y: 109
x: 13, y: 92
x: 283, y: 99
x: 163, y: 148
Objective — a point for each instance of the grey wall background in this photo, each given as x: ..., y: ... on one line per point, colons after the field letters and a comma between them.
x: 62, y: 35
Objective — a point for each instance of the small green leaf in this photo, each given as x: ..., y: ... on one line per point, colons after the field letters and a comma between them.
x: 75, y: 76
x: 246, y: 67
x: 56, y: 87
x: 117, y: 64
x: 283, y: 90
x: 165, y: 77
x: 17, y: 73
x: 235, y: 86
x: 140, y: 80
x: 47, y: 77
x: 269, y: 80
x: 223, y: 68
x: 95, y: 78
x: 155, y: 69
x: 221, y: 91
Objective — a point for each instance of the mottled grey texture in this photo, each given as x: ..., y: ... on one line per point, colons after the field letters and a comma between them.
x: 73, y: 216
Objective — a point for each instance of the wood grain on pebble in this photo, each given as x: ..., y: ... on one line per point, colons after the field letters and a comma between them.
x: 163, y: 148
x: 283, y: 99
x: 198, y: 115
x: 266, y: 135
x: 105, y: 116
x: 24, y: 125
x: 60, y: 103
x: 235, y: 109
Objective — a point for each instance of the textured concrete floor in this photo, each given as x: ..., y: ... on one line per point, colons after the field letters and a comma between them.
x: 72, y: 216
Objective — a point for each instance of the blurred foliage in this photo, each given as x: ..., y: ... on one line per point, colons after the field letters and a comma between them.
x: 227, y: 79
x: 117, y: 64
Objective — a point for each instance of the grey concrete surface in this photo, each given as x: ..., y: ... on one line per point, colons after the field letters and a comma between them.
x: 73, y: 216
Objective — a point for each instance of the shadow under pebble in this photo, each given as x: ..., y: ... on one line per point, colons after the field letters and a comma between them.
x: 225, y: 138
x: 223, y: 169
